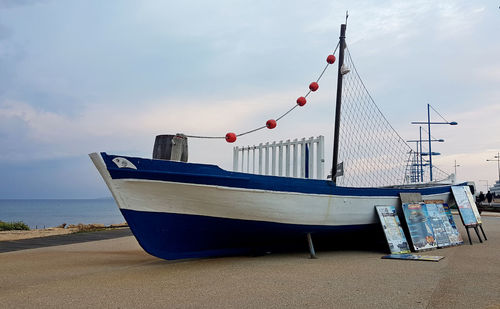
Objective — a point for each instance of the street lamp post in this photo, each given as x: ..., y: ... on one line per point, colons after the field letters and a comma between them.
x: 420, y: 153
x: 429, y: 131
x: 497, y: 158
x: 456, y: 165
x: 428, y: 123
x: 419, y: 150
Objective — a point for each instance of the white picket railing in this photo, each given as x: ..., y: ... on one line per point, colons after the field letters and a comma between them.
x: 288, y: 158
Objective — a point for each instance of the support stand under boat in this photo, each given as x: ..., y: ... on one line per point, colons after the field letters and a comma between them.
x: 311, y: 246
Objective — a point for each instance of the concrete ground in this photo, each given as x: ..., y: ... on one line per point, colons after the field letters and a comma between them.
x: 117, y: 273
x: 62, y: 239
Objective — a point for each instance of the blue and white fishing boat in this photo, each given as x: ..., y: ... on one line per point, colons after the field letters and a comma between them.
x: 183, y: 210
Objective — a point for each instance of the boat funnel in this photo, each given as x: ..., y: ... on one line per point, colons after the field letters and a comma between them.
x: 171, y: 147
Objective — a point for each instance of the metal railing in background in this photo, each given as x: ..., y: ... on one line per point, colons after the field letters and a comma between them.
x: 297, y: 158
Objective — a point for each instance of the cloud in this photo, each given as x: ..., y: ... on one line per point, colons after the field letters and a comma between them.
x: 471, y: 166
x: 116, y: 126
x: 470, y: 143
x: 8, y: 4
x: 146, y: 68
x: 4, y: 33
x: 457, y: 19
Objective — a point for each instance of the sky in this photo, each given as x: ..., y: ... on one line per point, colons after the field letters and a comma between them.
x: 86, y: 76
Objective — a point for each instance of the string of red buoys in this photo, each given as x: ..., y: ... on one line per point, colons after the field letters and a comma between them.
x: 272, y: 123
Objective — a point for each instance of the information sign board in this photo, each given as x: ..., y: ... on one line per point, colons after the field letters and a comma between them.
x: 473, y: 204
x: 465, y: 207
x: 392, y: 228
x: 419, y: 225
x: 439, y: 223
x: 453, y: 233
x: 451, y: 228
x: 414, y: 257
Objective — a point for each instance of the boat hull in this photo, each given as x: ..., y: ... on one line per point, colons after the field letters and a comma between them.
x: 178, y: 236
x: 184, y: 210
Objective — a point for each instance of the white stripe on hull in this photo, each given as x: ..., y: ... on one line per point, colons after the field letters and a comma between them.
x: 249, y: 204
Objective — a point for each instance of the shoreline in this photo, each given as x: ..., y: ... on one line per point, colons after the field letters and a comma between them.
x: 53, y: 231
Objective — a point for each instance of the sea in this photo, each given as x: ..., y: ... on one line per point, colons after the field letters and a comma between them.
x: 44, y: 213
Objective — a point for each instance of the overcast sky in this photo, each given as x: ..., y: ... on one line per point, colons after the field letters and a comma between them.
x: 84, y: 76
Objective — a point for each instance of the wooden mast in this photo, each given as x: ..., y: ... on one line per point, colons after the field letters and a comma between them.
x: 338, y: 103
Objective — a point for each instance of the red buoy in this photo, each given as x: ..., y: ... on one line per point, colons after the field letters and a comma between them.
x: 230, y: 137
x: 271, y: 124
x: 313, y: 86
x: 301, y: 101
x: 330, y: 59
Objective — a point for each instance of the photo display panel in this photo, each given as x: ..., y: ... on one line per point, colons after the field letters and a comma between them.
x: 420, y: 227
x: 391, y: 225
x: 465, y: 207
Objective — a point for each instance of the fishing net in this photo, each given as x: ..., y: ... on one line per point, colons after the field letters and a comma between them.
x: 372, y: 153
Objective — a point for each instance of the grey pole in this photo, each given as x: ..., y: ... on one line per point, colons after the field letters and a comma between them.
x: 429, y: 129
x: 498, y: 163
x: 421, y: 163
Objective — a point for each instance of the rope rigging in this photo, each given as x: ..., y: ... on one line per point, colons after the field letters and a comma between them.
x: 371, y: 151
x: 271, y: 123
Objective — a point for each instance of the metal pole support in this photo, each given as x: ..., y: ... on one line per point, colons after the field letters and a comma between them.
x: 468, y: 235
x: 311, y: 246
x: 481, y: 227
x: 477, y: 232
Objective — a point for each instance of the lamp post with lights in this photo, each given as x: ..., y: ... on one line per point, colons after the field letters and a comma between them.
x: 497, y: 159
x: 428, y: 123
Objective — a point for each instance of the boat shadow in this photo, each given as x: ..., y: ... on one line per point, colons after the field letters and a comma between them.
x: 369, y: 239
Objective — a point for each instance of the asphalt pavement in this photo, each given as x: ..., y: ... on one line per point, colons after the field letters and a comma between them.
x: 58, y: 240
x: 117, y: 273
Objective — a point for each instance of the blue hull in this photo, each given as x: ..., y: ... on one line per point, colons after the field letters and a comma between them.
x: 176, y: 236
